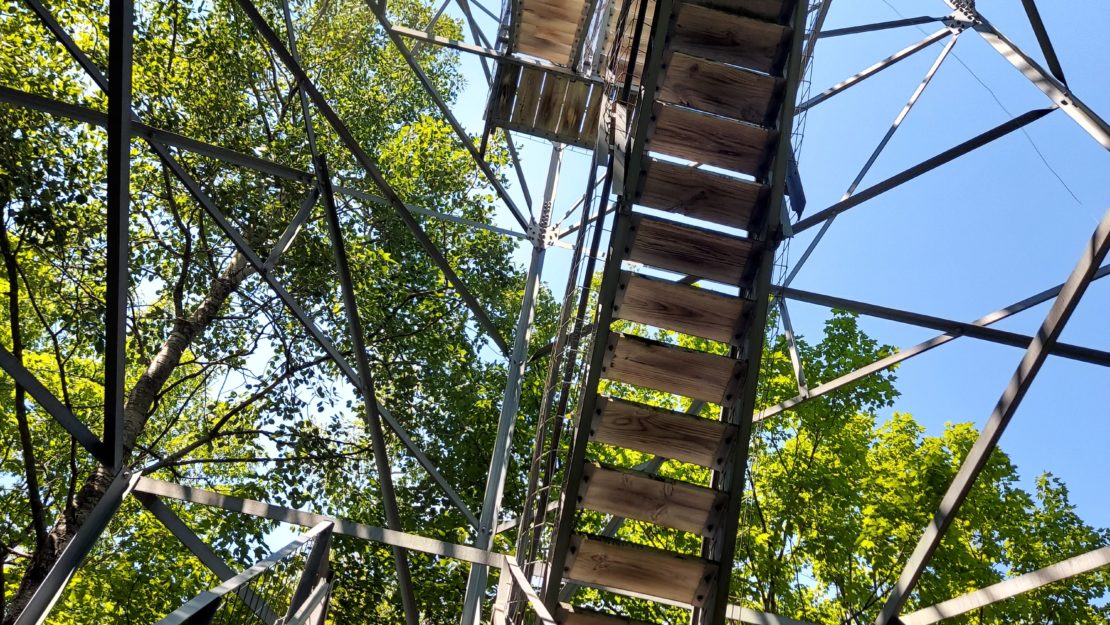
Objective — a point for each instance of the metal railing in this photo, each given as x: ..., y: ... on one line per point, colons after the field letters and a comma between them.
x: 290, y: 586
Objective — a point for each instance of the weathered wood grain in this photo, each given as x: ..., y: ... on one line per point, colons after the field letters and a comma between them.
x: 661, y: 432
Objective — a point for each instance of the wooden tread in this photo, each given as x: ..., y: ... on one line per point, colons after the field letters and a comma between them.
x: 721, y: 89
x: 777, y: 11
x: 665, y: 433
x: 574, y: 615
x: 617, y: 566
x: 729, y: 38
x: 671, y: 369
x: 636, y: 495
x: 689, y: 250
x: 680, y: 307
x: 701, y: 194
x: 710, y: 139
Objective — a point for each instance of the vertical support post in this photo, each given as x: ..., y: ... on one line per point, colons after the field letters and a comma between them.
x: 500, y: 613
x: 120, y: 24
x: 76, y: 551
x: 499, y: 462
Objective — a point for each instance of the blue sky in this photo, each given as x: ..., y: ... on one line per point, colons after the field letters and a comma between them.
x: 976, y: 235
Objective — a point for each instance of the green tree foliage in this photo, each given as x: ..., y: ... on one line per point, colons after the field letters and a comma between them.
x: 224, y: 388
x: 837, y: 498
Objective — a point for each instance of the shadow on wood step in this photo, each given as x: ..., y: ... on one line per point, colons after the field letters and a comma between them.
x: 665, y: 433
x: 710, y: 139
x: 617, y: 565
x: 671, y: 369
x: 730, y: 38
x: 679, y: 307
x: 777, y: 11
x: 721, y: 89
x: 658, y: 500
x: 690, y: 250
x: 700, y: 194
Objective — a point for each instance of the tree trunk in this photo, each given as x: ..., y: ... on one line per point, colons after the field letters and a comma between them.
x: 136, y: 412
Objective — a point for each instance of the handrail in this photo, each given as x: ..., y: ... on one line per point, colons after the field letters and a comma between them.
x: 208, y: 600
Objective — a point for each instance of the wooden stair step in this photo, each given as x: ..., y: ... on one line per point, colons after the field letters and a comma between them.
x: 777, y: 11
x: 575, y: 615
x: 643, y: 497
x: 721, y: 89
x: 730, y: 38
x: 616, y: 565
x: 712, y: 140
x: 665, y: 433
x: 701, y: 194
x: 680, y: 307
x: 689, y: 250
x: 671, y: 369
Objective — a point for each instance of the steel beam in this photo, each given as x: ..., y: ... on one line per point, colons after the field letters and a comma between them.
x: 165, y: 137
x: 510, y: 403
x: 208, y: 601
x: 369, y: 395
x: 1057, y: 318
x: 371, y: 168
x: 293, y: 228
x: 815, y: 33
x: 412, y: 542
x: 905, y: 354
x: 922, y: 168
x: 1056, y: 91
x: 949, y: 326
x: 75, y: 427
x: 464, y: 138
x: 867, y: 28
x: 454, y: 44
x: 75, y: 552
x: 205, y: 554
x: 526, y: 586
x: 792, y: 347
x: 402, y: 210
x: 886, y: 63
x: 1043, y: 39
x: 358, y: 345
x: 894, y: 126
x: 121, y: 17
x: 55, y: 408
x: 1006, y: 589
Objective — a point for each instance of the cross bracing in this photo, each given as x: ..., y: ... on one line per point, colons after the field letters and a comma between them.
x: 630, y: 116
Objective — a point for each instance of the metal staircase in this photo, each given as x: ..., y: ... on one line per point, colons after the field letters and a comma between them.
x: 700, y: 129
